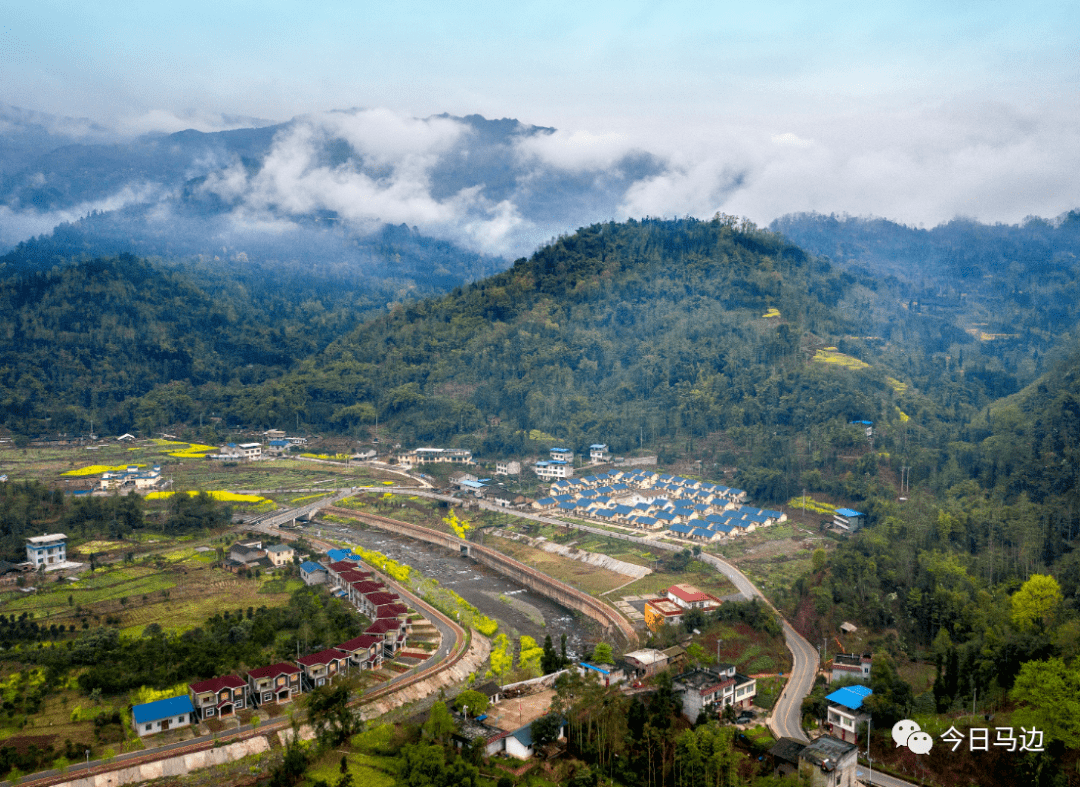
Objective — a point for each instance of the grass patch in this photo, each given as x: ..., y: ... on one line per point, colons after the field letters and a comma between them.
x: 591, y: 579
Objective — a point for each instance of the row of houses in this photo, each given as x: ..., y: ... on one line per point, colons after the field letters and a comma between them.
x: 280, y: 683
x: 696, y: 510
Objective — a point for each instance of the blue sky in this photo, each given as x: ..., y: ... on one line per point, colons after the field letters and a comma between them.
x: 863, y: 91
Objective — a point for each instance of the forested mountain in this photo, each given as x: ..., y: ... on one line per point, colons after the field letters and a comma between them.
x: 1014, y: 289
x: 86, y: 341
x: 654, y: 334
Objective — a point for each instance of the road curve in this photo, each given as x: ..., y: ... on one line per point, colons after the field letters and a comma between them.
x: 786, y: 718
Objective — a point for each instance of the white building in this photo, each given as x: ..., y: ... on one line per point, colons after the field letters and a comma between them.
x: 47, y: 550
x: 419, y: 456
x: 598, y: 452
x: 554, y: 469
x: 251, y: 451
x: 508, y: 468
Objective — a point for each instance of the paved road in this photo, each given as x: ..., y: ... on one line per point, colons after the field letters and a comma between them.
x: 864, y: 775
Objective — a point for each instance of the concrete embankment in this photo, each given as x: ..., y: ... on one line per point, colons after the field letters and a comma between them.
x: 181, y: 765
x: 471, y: 662
x: 551, y: 588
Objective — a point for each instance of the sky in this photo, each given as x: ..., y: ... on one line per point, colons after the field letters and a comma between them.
x: 915, y: 111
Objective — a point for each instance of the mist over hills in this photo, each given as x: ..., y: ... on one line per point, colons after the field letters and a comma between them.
x: 487, y: 186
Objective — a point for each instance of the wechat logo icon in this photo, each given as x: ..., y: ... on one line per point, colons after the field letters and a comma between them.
x: 908, y: 733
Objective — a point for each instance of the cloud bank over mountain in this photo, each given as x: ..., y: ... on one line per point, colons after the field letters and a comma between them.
x: 504, y: 187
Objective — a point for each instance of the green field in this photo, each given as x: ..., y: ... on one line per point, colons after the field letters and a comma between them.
x: 49, y: 464
x: 179, y: 596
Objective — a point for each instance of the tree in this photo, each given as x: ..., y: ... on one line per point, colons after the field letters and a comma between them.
x: 330, y: 715
x: 440, y: 724
x: 818, y: 559
x: 1049, y: 693
x: 476, y: 702
x: 550, y: 661
x: 602, y: 654
x: 546, y: 729
x: 1036, y: 602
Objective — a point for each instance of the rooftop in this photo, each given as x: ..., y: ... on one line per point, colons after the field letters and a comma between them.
x: 826, y: 751
x: 217, y: 684
x: 48, y: 539
x: 850, y: 696
x: 273, y: 670
x: 162, y: 709
x: 322, y: 657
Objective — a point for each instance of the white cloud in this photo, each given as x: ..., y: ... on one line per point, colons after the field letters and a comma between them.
x: 20, y: 225
x: 163, y: 121
x: 575, y: 150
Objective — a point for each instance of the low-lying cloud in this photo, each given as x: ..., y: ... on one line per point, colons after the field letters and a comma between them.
x: 505, y: 195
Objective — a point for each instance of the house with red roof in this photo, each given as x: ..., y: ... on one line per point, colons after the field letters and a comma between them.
x: 689, y: 597
x: 371, y: 601
x: 393, y: 633
x: 364, y: 652
x: 320, y: 668
x: 278, y: 683
x: 219, y: 697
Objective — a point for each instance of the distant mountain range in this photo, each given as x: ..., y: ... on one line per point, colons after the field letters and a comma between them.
x: 312, y: 188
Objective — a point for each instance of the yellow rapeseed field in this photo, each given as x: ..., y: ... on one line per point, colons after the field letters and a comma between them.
x: 99, y: 469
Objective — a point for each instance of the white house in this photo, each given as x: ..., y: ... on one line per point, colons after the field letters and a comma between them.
x: 556, y: 468
x: 846, y: 713
x: 508, y: 468
x: 251, y: 451
x: 598, y: 452
x: 162, y: 715
x: 47, y: 550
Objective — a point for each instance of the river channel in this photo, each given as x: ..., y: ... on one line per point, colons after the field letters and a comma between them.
x: 518, y: 609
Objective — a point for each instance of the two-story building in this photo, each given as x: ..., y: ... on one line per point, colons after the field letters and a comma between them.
x: 689, y: 597
x: 280, y: 554
x: 219, y: 697
x: 321, y: 668
x: 419, y: 456
x: 829, y: 762
x: 598, y: 452
x: 276, y: 683
x: 364, y: 652
x: 660, y: 612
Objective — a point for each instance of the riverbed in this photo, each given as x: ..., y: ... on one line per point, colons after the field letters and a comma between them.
x: 518, y: 609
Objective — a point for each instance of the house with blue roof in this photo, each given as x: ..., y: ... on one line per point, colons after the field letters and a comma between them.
x: 681, y: 530
x: 162, y: 715
x: 313, y: 573
x: 337, y: 555
x: 849, y: 519
x: 846, y: 712
x: 565, y: 454
x: 544, y: 503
